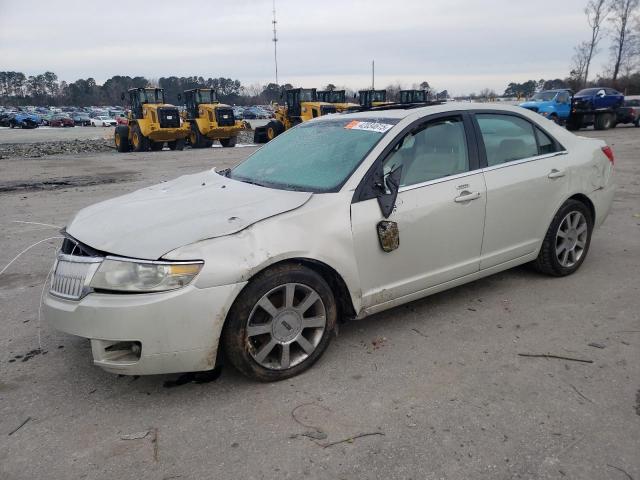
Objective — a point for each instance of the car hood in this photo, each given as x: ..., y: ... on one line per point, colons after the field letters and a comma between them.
x: 534, y: 103
x: 152, y: 221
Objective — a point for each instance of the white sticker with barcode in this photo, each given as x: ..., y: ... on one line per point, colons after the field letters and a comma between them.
x: 368, y: 126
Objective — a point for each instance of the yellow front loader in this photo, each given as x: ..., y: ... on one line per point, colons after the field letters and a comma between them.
x: 373, y: 98
x: 339, y: 99
x: 209, y: 120
x: 301, y: 105
x: 152, y: 122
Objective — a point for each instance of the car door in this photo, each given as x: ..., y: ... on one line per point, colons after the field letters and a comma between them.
x: 563, y: 105
x: 525, y: 175
x: 439, y: 213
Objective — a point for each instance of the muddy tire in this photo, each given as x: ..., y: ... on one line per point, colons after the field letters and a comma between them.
x: 603, y: 121
x: 260, y: 135
x: 228, y: 142
x: 196, y: 139
x: 121, y: 136
x: 566, y: 243
x: 139, y: 143
x: 273, y: 129
x: 176, y: 144
x: 280, y: 324
x: 156, y: 146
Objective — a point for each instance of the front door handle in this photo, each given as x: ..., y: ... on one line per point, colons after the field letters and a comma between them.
x: 467, y: 196
x: 555, y: 173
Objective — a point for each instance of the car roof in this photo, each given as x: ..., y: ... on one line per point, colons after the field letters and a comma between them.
x: 401, y: 113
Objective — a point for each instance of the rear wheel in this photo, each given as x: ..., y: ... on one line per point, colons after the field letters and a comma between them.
x: 122, y: 139
x: 603, y: 121
x: 228, y: 142
x: 567, y: 241
x: 280, y: 324
x: 139, y: 143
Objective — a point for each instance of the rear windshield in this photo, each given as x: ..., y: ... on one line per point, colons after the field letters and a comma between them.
x: 314, y: 157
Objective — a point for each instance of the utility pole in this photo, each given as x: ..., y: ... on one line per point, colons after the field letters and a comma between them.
x: 373, y: 74
x: 275, y: 40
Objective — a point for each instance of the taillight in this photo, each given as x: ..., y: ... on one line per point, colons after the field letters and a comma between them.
x: 609, y: 153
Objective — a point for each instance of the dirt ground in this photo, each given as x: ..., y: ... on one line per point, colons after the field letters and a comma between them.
x: 436, y: 387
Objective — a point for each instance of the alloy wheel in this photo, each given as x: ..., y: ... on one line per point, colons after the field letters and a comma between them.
x: 286, y: 326
x: 571, y: 239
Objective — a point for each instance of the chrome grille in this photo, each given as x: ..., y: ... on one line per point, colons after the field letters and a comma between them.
x: 72, y: 274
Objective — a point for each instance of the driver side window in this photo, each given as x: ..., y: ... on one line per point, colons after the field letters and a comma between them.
x: 434, y: 150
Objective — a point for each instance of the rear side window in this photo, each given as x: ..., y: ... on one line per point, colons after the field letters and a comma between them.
x: 506, y: 138
x: 545, y: 143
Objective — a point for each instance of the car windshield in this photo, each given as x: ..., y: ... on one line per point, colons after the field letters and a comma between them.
x: 544, y: 96
x: 314, y: 156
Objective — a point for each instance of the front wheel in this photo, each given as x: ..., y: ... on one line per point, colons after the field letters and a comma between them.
x: 567, y: 241
x: 603, y: 121
x: 280, y: 324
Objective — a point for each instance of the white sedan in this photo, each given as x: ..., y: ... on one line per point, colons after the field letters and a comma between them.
x: 338, y: 218
x: 103, y: 121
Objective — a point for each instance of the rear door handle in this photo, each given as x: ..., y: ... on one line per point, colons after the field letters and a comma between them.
x: 555, y: 173
x: 467, y: 196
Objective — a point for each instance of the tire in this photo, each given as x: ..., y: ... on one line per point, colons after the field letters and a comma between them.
x: 122, y: 139
x: 12, y: 125
x: 603, y: 121
x: 256, y: 342
x: 176, y: 144
x: 574, y: 123
x: 637, y: 123
x: 554, y: 118
x: 139, y: 143
x: 273, y: 129
x: 228, y: 142
x: 156, y: 146
x: 555, y: 260
x: 196, y: 139
x: 260, y: 135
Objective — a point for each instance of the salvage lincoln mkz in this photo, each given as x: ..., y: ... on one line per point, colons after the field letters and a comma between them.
x: 338, y: 218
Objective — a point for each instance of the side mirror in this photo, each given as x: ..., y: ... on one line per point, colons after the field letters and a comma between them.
x: 600, y: 94
x: 122, y: 96
x: 388, y: 192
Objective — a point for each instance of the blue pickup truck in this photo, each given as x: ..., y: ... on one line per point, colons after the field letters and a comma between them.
x: 552, y: 104
x: 595, y: 106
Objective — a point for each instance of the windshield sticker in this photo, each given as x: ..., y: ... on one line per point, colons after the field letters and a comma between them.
x: 368, y: 126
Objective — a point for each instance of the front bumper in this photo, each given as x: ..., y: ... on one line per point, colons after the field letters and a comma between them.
x: 176, y: 331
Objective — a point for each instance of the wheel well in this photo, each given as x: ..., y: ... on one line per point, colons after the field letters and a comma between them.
x: 589, y: 204
x: 333, y: 278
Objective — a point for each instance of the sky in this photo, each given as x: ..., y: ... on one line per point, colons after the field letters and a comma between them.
x: 459, y: 45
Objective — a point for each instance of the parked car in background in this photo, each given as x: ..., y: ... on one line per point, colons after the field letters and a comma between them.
x: 24, y: 120
x: 103, y: 121
x: 255, y: 112
x: 629, y: 112
x: 60, y: 120
x: 238, y: 112
x: 122, y: 119
x: 552, y: 104
x: 595, y: 106
x: 81, y: 119
x: 5, y: 118
x: 403, y: 199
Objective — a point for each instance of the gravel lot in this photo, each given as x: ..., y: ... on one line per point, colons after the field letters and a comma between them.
x: 438, y: 382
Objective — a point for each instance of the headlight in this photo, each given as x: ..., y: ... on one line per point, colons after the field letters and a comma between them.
x: 137, y: 276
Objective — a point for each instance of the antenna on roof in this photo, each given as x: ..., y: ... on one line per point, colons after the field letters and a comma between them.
x: 275, y: 40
